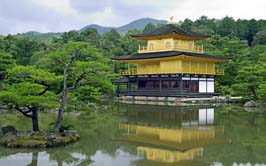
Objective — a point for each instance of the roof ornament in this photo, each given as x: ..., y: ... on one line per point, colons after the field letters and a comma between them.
x: 171, y: 20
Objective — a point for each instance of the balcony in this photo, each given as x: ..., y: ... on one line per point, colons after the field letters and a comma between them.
x: 176, y: 47
x: 219, y: 72
x: 128, y: 72
x: 134, y: 72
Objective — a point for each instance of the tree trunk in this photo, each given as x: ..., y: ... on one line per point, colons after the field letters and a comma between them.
x: 58, y: 124
x: 255, y: 96
x: 1, y: 85
x: 35, y: 121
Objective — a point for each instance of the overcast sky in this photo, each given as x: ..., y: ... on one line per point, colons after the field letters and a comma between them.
x: 17, y: 16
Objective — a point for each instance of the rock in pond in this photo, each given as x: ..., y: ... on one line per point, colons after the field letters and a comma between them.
x: 51, y: 136
x: 70, y: 133
x: 250, y: 104
x: 8, y: 129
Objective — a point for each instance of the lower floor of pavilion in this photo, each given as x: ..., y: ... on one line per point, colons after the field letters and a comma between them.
x: 166, y: 85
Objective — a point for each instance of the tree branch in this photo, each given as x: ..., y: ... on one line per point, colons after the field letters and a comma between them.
x: 59, y: 61
x: 77, y: 82
x: 29, y: 109
x: 80, y: 78
x: 41, y: 82
x: 44, y: 91
x: 73, y: 57
x: 21, y: 111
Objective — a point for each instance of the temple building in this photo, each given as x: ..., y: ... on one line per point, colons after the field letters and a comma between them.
x: 170, y: 65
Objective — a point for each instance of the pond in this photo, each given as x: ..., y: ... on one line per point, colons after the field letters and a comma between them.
x: 143, y: 135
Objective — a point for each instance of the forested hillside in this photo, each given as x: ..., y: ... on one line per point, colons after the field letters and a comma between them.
x: 137, y: 24
x: 242, y: 40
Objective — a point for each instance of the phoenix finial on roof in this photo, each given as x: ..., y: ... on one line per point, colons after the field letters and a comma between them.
x: 171, y: 20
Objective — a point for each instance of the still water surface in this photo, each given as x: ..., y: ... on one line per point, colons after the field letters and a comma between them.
x: 142, y: 135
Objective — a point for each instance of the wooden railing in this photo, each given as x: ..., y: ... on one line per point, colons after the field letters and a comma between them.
x: 219, y: 72
x: 180, y: 47
x: 128, y: 72
x: 134, y: 72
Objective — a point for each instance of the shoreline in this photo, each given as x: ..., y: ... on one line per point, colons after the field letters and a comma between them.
x: 177, y: 101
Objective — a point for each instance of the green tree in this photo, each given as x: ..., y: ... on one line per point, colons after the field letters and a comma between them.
x: 227, y: 27
x: 187, y: 24
x: 253, y: 28
x: 76, y: 62
x: 262, y: 91
x: 260, y: 38
x: 28, y: 92
x: 112, y: 43
x: 2, y: 46
x: 129, y: 44
x: 248, y: 81
x: 70, y: 36
x: 6, y: 62
x: 91, y: 35
x: 148, y: 28
x: 21, y: 48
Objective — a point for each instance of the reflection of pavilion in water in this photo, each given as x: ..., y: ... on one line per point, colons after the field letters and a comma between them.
x: 170, y: 136
x: 168, y: 156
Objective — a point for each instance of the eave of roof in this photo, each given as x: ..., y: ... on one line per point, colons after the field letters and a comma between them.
x: 166, y: 54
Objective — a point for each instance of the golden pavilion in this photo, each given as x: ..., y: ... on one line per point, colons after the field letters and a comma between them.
x: 170, y: 65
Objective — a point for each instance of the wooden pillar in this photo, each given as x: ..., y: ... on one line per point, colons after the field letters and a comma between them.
x: 137, y: 82
x: 128, y: 85
x: 190, y: 84
x: 181, y: 84
x: 160, y: 83
x: 189, y: 66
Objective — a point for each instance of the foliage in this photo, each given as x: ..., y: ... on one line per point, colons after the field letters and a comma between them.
x: 262, y: 91
x: 6, y: 62
x: 260, y: 37
x: 90, y: 64
x: 148, y: 28
x: 76, y: 62
x: 21, y: 48
x: 40, y: 37
x: 27, y: 92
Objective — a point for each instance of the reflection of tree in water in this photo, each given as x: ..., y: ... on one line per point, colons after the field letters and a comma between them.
x: 245, y: 135
x: 34, y: 159
x: 96, y: 133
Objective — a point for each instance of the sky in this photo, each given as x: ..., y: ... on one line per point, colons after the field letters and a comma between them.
x: 18, y: 16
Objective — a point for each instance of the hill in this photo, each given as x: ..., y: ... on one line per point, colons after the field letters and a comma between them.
x: 137, y: 24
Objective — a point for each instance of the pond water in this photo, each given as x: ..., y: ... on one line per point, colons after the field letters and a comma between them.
x: 143, y: 135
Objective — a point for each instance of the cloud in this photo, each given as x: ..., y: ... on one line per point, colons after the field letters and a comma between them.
x: 18, y: 16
